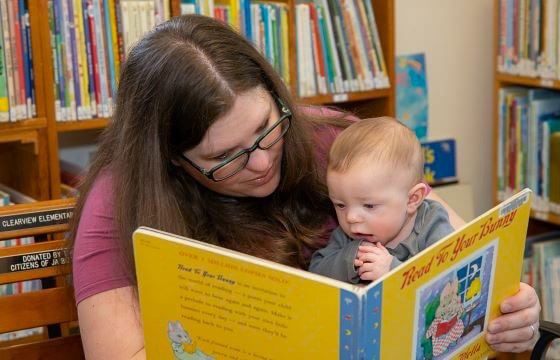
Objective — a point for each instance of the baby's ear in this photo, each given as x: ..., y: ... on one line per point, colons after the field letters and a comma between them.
x: 415, y: 197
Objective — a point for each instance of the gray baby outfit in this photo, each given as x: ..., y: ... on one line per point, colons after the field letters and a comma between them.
x: 336, y: 260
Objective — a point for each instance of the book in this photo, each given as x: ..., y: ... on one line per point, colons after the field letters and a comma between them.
x: 202, y: 301
x: 412, y: 93
x: 439, y: 161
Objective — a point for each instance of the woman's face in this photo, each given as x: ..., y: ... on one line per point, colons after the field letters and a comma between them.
x: 253, y: 112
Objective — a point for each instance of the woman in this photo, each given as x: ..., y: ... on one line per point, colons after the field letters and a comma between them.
x: 206, y: 142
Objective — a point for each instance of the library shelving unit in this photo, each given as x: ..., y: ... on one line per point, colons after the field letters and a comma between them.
x: 545, y: 220
x: 24, y: 155
x: 371, y: 103
x: 29, y: 149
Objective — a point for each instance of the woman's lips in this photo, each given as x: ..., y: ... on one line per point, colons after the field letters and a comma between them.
x: 264, y: 178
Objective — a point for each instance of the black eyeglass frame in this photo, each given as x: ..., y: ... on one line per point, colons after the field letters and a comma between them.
x: 285, y: 114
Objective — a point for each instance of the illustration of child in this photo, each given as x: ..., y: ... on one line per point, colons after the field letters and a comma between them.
x: 184, y: 347
x: 375, y: 181
x: 447, y: 326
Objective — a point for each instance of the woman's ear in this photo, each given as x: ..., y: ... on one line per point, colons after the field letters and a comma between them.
x: 175, y: 162
x: 415, y: 197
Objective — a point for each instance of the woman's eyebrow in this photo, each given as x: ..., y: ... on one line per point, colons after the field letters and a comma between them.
x: 258, y: 130
x: 262, y: 126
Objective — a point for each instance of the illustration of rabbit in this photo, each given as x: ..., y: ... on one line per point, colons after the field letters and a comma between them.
x: 184, y: 347
x: 447, y: 326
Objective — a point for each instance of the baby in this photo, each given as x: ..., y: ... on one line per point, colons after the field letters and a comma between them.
x: 375, y: 181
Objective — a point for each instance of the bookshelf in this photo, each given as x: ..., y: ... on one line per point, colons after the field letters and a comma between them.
x: 32, y: 146
x: 550, y: 220
x: 24, y: 155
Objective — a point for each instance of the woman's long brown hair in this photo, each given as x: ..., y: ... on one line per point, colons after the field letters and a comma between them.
x: 175, y: 83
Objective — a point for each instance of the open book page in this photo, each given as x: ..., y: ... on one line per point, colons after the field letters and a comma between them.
x: 197, y: 300
x: 200, y: 301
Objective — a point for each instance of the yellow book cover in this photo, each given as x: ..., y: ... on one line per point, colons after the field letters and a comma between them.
x: 200, y: 301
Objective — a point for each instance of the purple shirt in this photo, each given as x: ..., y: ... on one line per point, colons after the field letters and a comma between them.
x: 97, y: 266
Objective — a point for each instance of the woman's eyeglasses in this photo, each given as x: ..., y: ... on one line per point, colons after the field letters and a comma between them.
x: 237, y: 162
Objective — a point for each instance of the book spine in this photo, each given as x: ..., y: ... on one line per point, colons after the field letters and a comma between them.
x: 89, y: 60
x: 350, y: 37
x: 73, y: 48
x: 25, y: 58
x: 329, y: 71
x: 30, y: 59
x: 105, y: 57
x: 373, y: 28
x: 4, y: 101
x: 55, y: 59
x: 100, y: 48
x: 299, y: 50
x: 368, y: 43
x: 82, y: 59
x: 347, y: 67
x: 285, y: 45
x: 351, y: 316
x: 109, y: 43
x: 115, y: 42
x: 120, y: 31
x: 341, y: 82
x: 12, y: 99
x: 17, y: 53
x: 94, y: 57
x: 370, y: 329
x: 67, y: 63
x: 318, y: 50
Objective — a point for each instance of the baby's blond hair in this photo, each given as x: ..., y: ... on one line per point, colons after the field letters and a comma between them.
x: 382, y: 140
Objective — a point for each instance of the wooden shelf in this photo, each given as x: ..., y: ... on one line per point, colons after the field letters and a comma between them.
x: 91, y: 124
x: 24, y: 125
x: 346, y: 97
x: 527, y: 81
x: 546, y: 216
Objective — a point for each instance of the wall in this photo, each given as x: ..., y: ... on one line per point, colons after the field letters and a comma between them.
x: 457, y: 38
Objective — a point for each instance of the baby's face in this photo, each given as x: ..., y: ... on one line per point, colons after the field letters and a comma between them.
x: 370, y: 201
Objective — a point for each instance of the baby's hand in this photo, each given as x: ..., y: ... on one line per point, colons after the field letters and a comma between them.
x: 360, y: 253
x: 373, y: 261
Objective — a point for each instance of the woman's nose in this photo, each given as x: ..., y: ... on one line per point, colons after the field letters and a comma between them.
x: 259, y: 160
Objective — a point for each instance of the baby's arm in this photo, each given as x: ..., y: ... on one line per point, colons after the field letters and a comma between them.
x: 373, y: 261
x: 336, y: 260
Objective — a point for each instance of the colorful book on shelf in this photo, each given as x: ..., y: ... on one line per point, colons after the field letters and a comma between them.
x: 554, y: 176
x: 202, y: 301
x: 439, y: 161
x: 412, y: 93
x: 4, y: 102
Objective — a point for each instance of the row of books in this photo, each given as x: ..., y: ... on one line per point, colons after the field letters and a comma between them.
x: 529, y: 38
x: 8, y: 197
x: 89, y: 41
x: 529, y: 145
x: 338, y: 47
x: 17, y: 94
x: 263, y: 23
x: 541, y: 269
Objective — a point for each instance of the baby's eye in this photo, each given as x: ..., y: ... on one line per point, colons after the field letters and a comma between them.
x: 340, y: 206
x: 369, y: 206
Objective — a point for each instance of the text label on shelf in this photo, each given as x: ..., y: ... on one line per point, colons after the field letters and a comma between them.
x: 33, y: 261
x: 36, y: 219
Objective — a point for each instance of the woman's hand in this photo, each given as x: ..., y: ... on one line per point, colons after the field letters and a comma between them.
x: 517, y: 330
